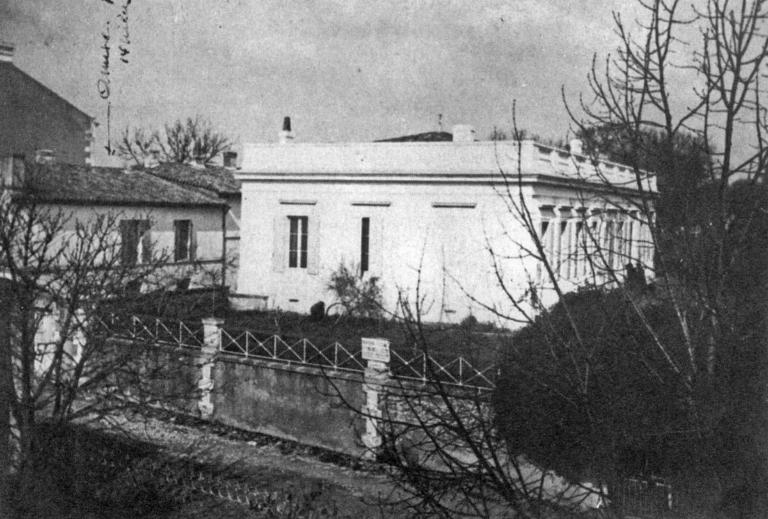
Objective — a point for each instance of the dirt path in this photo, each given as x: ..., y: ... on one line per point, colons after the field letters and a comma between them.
x: 266, y: 462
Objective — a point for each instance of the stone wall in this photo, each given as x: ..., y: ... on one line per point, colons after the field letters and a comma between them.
x: 299, y: 403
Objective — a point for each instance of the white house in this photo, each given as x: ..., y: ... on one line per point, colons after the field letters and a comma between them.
x: 183, y: 225
x: 435, y: 219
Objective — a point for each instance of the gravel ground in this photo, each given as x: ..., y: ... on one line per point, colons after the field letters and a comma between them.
x: 352, y: 488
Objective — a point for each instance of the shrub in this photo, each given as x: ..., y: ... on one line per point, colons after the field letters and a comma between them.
x: 360, y: 296
x: 598, y: 407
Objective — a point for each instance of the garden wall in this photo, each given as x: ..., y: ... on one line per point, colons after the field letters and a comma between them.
x: 298, y: 403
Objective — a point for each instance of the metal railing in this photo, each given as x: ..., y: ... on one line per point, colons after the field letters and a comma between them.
x: 250, y: 344
x: 266, y: 346
x: 169, y: 332
x: 421, y: 367
x: 457, y: 372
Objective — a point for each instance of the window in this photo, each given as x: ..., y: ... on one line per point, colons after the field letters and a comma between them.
x: 297, y: 244
x: 183, y: 248
x: 365, y: 237
x: 135, y: 245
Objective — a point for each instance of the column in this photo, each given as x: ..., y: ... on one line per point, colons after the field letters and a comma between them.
x: 375, y: 380
x: 211, y: 346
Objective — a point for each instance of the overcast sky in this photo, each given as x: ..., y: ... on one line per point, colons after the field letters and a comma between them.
x: 344, y: 71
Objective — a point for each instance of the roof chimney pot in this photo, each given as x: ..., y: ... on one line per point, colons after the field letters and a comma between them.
x: 577, y: 147
x: 285, y: 135
x: 12, y: 172
x: 6, y: 52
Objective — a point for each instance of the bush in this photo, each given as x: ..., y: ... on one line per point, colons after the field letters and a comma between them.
x: 597, y: 408
x: 359, y: 295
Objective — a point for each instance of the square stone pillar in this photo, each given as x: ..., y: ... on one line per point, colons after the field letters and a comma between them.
x: 376, y: 379
x: 211, y: 346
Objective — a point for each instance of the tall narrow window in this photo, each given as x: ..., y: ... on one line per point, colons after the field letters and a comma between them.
x: 135, y: 245
x: 183, y: 249
x: 297, y: 243
x: 365, y: 240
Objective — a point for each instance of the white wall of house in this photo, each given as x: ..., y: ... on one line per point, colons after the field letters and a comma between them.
x: 430, y: 230
x: 207, y: 232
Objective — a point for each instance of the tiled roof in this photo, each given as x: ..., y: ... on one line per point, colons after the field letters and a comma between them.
x: 217, y: 179
x: 65, y: 183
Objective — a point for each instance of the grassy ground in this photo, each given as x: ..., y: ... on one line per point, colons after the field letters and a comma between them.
x: 476, y: 342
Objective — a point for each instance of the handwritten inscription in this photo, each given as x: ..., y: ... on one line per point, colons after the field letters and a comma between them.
x: 103, y: 85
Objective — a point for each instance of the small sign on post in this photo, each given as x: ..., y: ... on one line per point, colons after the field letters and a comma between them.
x: 376, y: 350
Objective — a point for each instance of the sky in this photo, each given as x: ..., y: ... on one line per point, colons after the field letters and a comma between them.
x: 343, y: 71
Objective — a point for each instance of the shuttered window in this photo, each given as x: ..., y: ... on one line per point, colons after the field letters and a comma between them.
x: 183, y: 249
x: 298, y: 241
x: 135, y: 244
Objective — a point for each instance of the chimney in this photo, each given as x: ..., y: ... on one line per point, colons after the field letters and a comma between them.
x: 45, y: 156
x: 285, y: 136
x: 463, y: 133
x: 12, y: 171
x: 6, y: 52
x: 577, y: 147
x: 230, y: 159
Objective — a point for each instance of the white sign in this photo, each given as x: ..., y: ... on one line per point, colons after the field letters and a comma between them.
x: 375, y: 349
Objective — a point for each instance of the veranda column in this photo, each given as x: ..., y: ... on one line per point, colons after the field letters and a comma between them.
x: 376, y: 380
x: 564, y: 242
x: 633, y: 237
x: 579, y: 263
x: 211, y: 346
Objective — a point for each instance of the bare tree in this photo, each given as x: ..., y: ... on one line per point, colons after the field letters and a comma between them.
x: 63, y: 279
x: 694, y: 341
x: 136, y: 145
x: 193, y: 139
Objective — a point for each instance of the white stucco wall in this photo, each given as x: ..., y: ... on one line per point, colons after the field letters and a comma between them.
x: 430, y: 230
x: 433, y: 237
x: 206, y: 225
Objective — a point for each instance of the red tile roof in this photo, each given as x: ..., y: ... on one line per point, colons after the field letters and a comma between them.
x: 217, y: 179
x: 64, y: 183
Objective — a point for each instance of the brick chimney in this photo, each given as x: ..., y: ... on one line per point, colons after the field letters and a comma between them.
x: 577, y: 147
x: 285, y: 135
x: 12, y: 172
x: 6, y: 52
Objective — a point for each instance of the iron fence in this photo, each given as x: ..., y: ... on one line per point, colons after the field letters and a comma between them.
x: 251, y: 344
x: 421, y: 367
x: 457, y: 372
x: 268, y: 346
x: 170, y: 332
x: 636, y: 498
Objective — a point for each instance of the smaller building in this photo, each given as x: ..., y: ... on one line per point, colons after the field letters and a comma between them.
x: 219, y: 182
x: 154, y: 217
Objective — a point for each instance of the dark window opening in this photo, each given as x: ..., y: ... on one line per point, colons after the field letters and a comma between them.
x: 365, y: 237
x: 183, y: 249
x: 135, y: 245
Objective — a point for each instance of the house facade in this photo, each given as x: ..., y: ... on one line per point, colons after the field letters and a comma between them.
x: 217, y: 181
x: 37, y: 123
x: 154, y: 218
x: 435, y: 222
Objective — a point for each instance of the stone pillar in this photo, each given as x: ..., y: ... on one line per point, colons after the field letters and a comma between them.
x: 376, y: 380
x: 211, y: 345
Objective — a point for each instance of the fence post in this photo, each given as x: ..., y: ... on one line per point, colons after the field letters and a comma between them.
x: 211, y: 345
x: 375, y: 380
